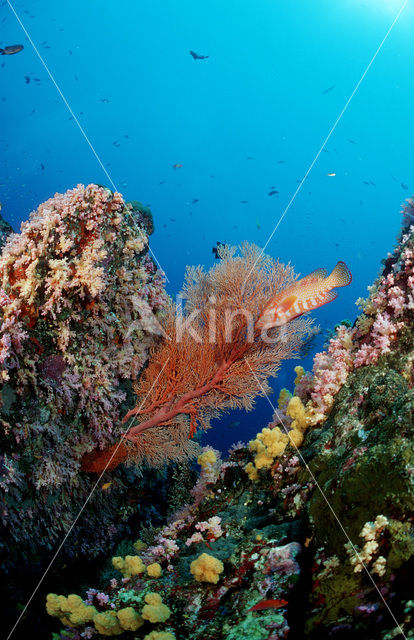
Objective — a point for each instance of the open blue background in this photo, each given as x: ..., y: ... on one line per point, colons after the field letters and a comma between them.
x: 260, y: 98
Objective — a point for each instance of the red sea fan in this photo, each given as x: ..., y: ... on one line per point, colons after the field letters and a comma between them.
x: 213, y: 358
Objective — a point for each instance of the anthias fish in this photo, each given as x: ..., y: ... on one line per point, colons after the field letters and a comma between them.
x: 10, y: 50
x: 303, y: 296
x: 268, y: 604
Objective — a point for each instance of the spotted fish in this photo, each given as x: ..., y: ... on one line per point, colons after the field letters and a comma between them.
x: 303, y: 296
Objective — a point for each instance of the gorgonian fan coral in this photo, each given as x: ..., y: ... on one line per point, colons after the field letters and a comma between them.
x: 213, y: 358
x: 77, y: 302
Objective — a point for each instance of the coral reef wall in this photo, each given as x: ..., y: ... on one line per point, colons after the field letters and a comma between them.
x: 79, y: 296
x: 307, y: 532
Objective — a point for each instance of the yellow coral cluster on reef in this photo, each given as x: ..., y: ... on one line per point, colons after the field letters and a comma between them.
x: 154, y: 610
x: 72, y: 611
x: 207, y: 459
x: 270, y: 444
x: 206, y: 568
x: 154, y: 570
x: 128, y: 566
x: 133, y: 566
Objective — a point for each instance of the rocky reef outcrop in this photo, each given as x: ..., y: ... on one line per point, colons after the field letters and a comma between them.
x: 79, y: 296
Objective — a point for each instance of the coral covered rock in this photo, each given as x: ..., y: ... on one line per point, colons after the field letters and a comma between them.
x: 78, y: 299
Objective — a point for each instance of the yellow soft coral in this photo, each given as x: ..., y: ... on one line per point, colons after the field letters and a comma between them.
x: 284, y: 397
x: 154, y: 570
x: 71, y: 610
x: 297, y: 411
x: 155, y: 610
x: 129, y: 619
x: 139, y: 545
x: 271, y: 443
x: 207, y: 458
x: 251, y: 471
x: 159, y: 635
x: 107, y: 623
x: 128, y: 566
x: 300, y: 372
x: 206, y: 568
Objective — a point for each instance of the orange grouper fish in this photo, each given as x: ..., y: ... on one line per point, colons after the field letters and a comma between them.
x: 303, y: 296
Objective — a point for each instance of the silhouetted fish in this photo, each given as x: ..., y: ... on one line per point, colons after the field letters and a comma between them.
x: 404, y: 186
x: 10, y: 50
x: 272, y: 192
x: 197, y: 56
x: 325, y: 91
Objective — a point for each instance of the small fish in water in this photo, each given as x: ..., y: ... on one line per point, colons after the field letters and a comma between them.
x: 216, y: 249
x: 197, y: 56
x: 365, y: 182
x: 244, y: 201
x: 331, y: 175
x: 27, y: 79
x: 281, y: 161
x: 104, y: 100
x: 236, y: 423
x: 257, y: 223
x: 268, y: 604
x: 325, y: 91
x: 352, y: 141
x: 404, y: 186
x: 195, y: 200
x: 106, y: 486
x: 272, y: 192
x: 42, y: 166
x: 305, y: 295
x: 116, y: 144
x: 10, y: 50
x: 177, y: 165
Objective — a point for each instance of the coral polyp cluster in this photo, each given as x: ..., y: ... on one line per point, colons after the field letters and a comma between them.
x: 78, y: 299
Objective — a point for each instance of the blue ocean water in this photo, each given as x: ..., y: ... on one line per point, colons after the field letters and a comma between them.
x: 249, y: 119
